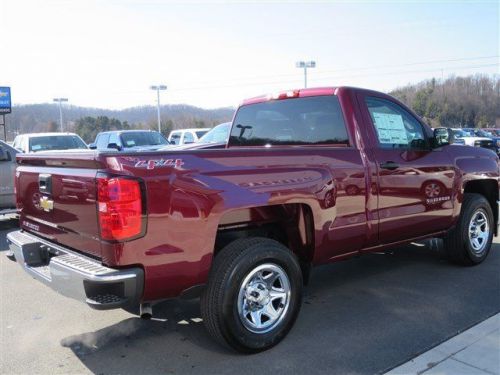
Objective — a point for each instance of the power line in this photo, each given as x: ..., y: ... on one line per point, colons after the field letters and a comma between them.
x: 357, y: 68
x: 297, y: 79
x: 320, y: 74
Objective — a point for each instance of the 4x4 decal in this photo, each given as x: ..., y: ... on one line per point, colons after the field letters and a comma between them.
x: 154, y: 163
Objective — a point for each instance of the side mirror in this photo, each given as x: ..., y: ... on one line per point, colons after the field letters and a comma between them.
x: 4, y: 156
x: 443, y: 137
x: 93, y: 146
x: 115, y: 146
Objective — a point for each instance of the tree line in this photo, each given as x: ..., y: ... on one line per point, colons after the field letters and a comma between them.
x: 35, y: 118
x: 472, y: 101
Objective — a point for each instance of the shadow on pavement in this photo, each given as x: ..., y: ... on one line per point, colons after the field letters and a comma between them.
x: 361, y: 316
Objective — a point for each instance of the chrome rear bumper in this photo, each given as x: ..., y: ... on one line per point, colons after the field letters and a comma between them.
x: 75, y: 275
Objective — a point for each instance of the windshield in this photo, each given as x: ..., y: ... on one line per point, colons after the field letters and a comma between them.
x: 483, y: 133
x: 460, y: 133
x: 495, y: 132
x: 56, y: 142
x: 134, y: 139
x: 201, y: 133
x: 219, y: 134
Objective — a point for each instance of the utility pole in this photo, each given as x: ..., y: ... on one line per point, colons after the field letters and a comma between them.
x: 305, y: 65
x: 158, y: 88
x: 60, y: 101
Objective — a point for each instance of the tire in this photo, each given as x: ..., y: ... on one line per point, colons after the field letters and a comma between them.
x: 226, y: 304
x: 459, y: 244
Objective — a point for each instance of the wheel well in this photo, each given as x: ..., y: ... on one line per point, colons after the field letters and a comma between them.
x: 291, y: 224
x: 487, y: 188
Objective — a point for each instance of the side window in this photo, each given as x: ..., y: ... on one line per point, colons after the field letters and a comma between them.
x: 102, y: 141
x: 395, y: 127
x: 188, y: 137
x: 113, y: 138
x: 175, y: 137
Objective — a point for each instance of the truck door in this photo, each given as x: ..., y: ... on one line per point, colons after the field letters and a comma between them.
x: 414, y: 182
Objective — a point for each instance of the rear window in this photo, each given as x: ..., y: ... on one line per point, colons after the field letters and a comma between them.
x: 56, y: 142
x: 133, y: 139
x: 301, y: 121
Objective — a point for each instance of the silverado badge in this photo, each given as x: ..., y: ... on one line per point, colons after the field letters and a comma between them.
x: 46, y: 204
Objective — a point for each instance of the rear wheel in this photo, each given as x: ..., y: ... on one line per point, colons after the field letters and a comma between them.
x: 470, y: 241
x: 253, y: 295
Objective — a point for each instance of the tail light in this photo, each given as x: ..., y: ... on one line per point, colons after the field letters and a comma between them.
x: 119, y: 208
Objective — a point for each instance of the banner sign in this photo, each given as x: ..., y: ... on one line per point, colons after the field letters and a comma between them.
x: 5, y: 102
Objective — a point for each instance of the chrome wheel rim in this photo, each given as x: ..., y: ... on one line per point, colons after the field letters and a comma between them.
x: 479, y: 231
x: 432, y: 190
x: 264, y: 298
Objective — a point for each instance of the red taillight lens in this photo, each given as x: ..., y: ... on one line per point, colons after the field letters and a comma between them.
x: 120, y: 208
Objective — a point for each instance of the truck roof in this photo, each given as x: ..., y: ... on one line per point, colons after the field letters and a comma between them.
x: 47, y: 134
x: 189, y: 130
x: 129, y: 131
x: 289, y: 94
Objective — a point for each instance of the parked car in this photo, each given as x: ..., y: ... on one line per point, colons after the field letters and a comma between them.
x: 7, y: 171
x: 243, y: 225
x: 186, y: 136
x: 129, y: 140
x: 36, y: 142
x: 494, y: 131
x: 215, y: 138
x: 491, y: 135
x: 471, y: 139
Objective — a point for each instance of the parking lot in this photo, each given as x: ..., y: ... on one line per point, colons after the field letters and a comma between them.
x: 361, y: 316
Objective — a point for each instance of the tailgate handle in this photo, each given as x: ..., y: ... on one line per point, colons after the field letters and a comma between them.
x: 45, y: 183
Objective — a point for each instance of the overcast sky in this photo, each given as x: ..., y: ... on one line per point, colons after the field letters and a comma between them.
x: 107, y: 53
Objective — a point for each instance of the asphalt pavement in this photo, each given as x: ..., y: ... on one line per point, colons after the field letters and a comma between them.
x: 362, y: 316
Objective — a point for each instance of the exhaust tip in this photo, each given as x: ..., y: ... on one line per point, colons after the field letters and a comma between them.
x: 146, y: 311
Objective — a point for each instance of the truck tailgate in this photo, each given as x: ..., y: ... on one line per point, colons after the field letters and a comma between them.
x: 56, y: 196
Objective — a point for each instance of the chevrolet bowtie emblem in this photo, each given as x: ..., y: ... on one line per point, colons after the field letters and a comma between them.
x: 46, y: 204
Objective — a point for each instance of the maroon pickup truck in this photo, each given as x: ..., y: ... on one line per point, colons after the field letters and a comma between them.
x: 307, y: 177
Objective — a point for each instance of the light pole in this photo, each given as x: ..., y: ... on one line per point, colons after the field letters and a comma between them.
x: 158, y: 88
x: 305, y: 65
x: 60, y: 101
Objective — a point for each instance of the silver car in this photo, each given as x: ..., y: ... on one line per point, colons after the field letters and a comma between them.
x: 7, y: 170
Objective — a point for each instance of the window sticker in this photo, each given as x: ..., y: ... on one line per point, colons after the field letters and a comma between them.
x: 130, y: 143
x: 390, y: 128
x: 36, y: 147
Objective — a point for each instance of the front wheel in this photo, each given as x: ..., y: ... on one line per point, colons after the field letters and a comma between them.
x: 470, y: 241
x: 253, y: 295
